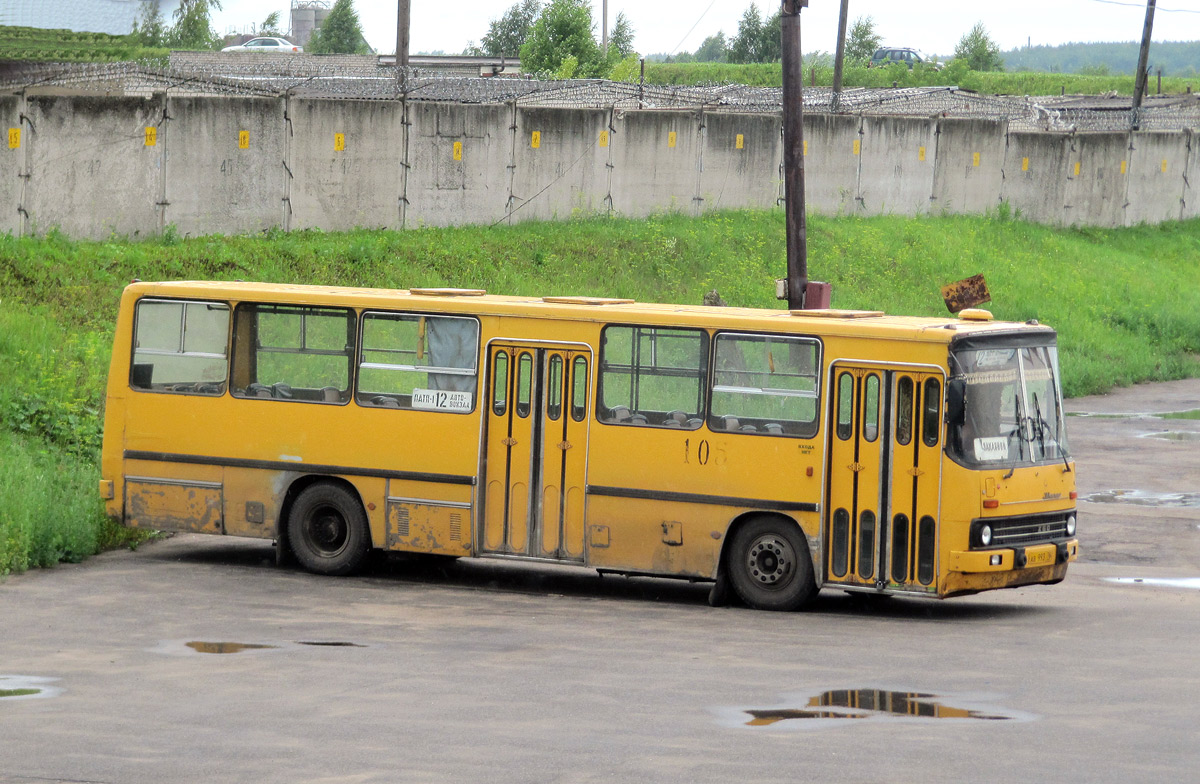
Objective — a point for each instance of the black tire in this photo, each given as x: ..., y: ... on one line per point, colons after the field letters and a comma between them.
x: 327, y: 530
x: 769, y: 565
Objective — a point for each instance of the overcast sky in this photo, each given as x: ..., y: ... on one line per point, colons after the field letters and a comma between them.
x: 933, y: 26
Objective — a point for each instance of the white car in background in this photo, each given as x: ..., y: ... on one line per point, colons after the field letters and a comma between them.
x: 265, y: 45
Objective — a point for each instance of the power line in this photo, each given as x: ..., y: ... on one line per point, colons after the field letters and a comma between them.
x: 1156, y: 8
x: 689, y: 32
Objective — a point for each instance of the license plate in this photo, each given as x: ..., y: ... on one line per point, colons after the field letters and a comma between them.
x: 1039, y: 558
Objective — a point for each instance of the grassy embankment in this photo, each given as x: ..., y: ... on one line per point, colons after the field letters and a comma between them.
x: 1126, y: 303
x: 994, y: 83
x: 34, y: 44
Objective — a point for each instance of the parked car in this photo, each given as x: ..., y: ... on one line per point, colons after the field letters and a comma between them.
x: 265, y: 45
x: 903, y: 56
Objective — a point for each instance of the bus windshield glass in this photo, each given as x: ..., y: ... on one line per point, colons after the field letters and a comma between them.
x: 1005, y: 406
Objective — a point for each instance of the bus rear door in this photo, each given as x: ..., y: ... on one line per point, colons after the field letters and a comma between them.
x: 536, y: 451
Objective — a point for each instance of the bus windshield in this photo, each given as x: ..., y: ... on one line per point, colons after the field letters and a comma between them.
x: 1006, y: 406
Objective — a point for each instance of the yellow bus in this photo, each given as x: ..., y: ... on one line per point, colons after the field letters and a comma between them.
x: 771, y: 452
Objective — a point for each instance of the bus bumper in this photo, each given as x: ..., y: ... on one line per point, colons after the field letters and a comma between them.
x: 982, y: 570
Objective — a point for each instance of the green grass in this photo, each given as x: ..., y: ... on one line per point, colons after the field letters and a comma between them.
x: 1126, y: 304
x: 64, y: 46
x: 997, y: 83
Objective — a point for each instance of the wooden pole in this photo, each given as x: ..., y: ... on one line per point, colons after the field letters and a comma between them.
x: 839, y: 59
x: 1139, y: 89
x: 793, y: 155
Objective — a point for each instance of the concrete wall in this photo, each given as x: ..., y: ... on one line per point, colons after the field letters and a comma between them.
x: 92, y: 170
x: 443, y: 191
x: 244, y: 165
x: 1033, y: 175
x: 896, y: 165
x: 968, y: 169
x: 12, y: 163
x: 225, y: 171
x: 741, y: 161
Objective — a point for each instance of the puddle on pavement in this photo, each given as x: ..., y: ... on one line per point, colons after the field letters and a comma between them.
x: 27, y: 687
x: 331, y: 644
x: 1173, y: 435
x: 1169, y: 582
x: 226, y: 647
x: 1142, y: 498
x: 839, y: 705
x: 1192, y: 414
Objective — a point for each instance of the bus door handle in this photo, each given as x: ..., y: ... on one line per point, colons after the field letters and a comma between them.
x: 509, y: 442
x: 856, y: 467
x: 564, y: 445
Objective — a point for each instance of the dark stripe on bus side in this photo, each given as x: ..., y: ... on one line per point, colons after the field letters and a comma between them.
x: 696, y: 498
x: 282, y: 465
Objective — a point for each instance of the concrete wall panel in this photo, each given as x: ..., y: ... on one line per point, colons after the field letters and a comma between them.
x: 215, y: 185
x: 1157, y: 161
x: 356, y: 186
x: 12, y: 163
x: 1096, y: 181
x: 745, y: 176
x: 443, y: 191
x: 1034, y: 175
x: 831, y: 162
x: 970, y: 157
x: 896, y: 165
x: 93, y: 173
x: 656, y: 158
x: 567, y: 172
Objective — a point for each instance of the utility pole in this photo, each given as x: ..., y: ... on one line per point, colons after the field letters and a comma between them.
x: 402, y: 17
x: 1139, y: 88
x: 835, y: 103
x: 793, y: 155
x: 604, y: 27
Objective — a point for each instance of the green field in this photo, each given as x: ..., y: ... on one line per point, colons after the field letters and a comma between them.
x: 995, y: 83
x: 1126, y: 303
x: 65, y: 46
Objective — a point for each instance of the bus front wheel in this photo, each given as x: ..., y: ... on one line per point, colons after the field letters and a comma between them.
x: 769, y: 565
x: 327, y: 530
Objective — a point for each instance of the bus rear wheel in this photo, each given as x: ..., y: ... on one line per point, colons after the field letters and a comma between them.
x: 769, y: 565
x: 327, y: 530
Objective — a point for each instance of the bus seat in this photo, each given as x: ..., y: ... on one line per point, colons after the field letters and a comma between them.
x: 730, y: 422
x: 694, y: 423
x: 748, y: 429
x: 619, y: 414
x: 677, y: 416
x: 668, y: 422
x: 638, y: 419
x: 331, y: 395
x: 774, y: 428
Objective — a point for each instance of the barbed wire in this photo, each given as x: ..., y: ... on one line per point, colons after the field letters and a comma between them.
x: 362, y: 78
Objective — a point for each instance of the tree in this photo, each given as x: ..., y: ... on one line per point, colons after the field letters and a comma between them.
x: 862, y: 41
x: 193, y: 25
x: 150, y: 29
x: 341, y: 33
x: 270, y: 25
x: 979, y: 51
x: 714, y: 49
x: 562, y: 30
x: 506, y: 34
x: 621, y: 37
x: 757, y: 41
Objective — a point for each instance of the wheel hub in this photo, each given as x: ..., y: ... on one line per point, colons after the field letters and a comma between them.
x: 328, y: 531
x: 771, y: 560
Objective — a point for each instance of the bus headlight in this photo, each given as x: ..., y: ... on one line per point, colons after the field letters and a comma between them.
x: 1070, y: 525
x: 985, y: 534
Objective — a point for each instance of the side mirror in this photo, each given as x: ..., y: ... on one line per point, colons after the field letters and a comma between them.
x: 956, y: 399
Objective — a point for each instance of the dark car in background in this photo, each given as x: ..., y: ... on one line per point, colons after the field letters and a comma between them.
x: 903, y: 56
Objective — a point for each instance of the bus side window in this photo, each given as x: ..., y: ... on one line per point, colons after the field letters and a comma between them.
x: 180, y: 346
x: 579, y: 387
x: 293, y: 352
x: 412, y: 360
x: 653, y: 376
x: 845, y: 410
x: 524, y: 389
x: 932, y: 420
x: 871, y: 408
x: 554, y: 388
x: 500, y: 383
x: 765, y: 384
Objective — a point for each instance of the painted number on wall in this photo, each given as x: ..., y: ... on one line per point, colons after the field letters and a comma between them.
x: 14, y: 138
x: 458, y: 151
x: 243, y: 140
x: 339, y: 142
x: 975, y: 159
x: 535, y: 139
x: 1024, y: 164
x: 741, y: 142
x: 1124, y: 167
x: 604, y: 138
x: 805, y: 147
x: 671, y: 139
x: 1078, y: 166
x: 151, y: 136
x: 1164, y: 166
x: 857, y: 146
x: 921, y: 154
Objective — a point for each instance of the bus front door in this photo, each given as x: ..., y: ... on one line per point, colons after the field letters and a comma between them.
x: 883, y: 479
x: 536, y: 452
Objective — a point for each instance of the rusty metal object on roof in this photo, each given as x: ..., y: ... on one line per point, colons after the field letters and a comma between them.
x: 966, y: 293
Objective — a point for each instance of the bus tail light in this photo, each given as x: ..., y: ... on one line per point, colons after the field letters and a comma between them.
x: 991, y: 503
